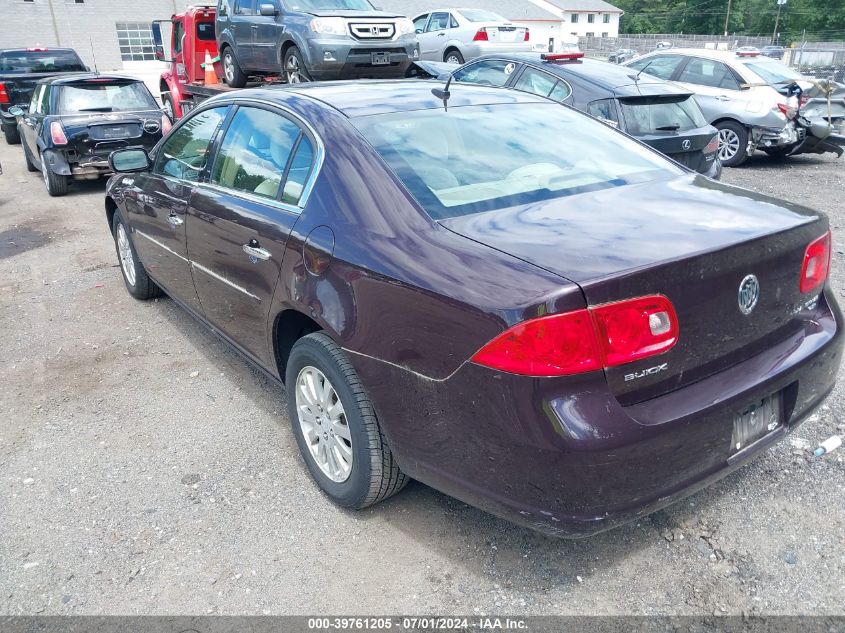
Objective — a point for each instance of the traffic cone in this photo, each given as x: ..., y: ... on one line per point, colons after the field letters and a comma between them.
x: 210, y: 75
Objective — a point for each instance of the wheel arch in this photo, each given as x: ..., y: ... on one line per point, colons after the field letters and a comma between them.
x: 729, y: 119
x: 289, y: 326
x: 111, y: 210
x: 452, y: 47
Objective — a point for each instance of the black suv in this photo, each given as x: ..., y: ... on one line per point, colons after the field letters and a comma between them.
x: 312, y: 39
x: 20, y: 70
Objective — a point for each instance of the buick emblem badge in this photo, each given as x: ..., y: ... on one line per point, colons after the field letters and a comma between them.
x: 686, y: 144
x: 749, y: 294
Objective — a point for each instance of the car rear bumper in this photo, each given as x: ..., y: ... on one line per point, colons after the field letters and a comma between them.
x: 471, y: 50
x: 344, y: 59
x: 561, y: 455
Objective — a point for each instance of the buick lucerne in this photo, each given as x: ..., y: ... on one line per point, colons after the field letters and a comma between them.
x: 486, y: 291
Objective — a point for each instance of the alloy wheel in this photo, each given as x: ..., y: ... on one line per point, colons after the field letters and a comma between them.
x: 44, y: 174
x: 228, y: 68
x: 322, y: 421
x: 293, y: 71
x: 453, y: 59
x: 728, y: 144
x: 127, y: 262
x: 167, y: 106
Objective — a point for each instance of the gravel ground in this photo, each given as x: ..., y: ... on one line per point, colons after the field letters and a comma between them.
x: 145, y: 468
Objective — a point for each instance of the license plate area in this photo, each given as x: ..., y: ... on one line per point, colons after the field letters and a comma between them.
x: 380, y: 59
x: 115, y: 131
x: 756, y: 421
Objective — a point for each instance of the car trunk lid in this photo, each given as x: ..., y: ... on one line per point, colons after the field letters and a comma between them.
x: 688, y: 238
x: 95, y: 136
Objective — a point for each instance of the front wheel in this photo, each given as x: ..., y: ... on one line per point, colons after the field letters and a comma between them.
x: 453, y: 56
x: 167, y: 105
x: 138, y: 283
x: 733, y: 143
x: 336, y: 427
x: 11, y: 134
x: 232, y: 72
x: 294, y: 67
x: 56, y: 183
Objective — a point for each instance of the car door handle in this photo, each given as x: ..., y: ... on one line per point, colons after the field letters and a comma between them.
x: 723, y: 98
x: 440, y: 34
x: 175, y: 220
x: 253, y: 249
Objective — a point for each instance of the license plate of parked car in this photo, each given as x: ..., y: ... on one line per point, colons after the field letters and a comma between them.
x: 380, y: 59
x: 756, y: 421
x: 116, y: 131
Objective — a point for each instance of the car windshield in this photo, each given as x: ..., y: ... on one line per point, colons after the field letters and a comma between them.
x: 330, y: 5
x: 477, y: 158
x: 652, y: 115
x: 480, y: 15
x: 40, y: 62
x: 772, y: 72
x: 95, y: 96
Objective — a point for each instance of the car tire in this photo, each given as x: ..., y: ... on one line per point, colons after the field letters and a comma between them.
x: 30, y: 166
x: 138, y: 283
x: 232, y: 73
x: 354, y: 466
x: 11, y: 134
x: 56, y: 184
x: 733, y: 143
x: 293, y: 67
x: 167, y: 105
x: 453, y: 56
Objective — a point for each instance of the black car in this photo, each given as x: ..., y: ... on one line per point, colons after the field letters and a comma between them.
x: 775, y: 52
x: 622, y: 55
x: 73, y: 123
x: 656, y: 112
x: 21, y: 69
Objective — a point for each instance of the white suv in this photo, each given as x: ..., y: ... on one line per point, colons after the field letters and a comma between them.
x: 737, y: 92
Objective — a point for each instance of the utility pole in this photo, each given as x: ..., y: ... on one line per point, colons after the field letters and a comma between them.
x: 727, y: 18
x: 777, y: 20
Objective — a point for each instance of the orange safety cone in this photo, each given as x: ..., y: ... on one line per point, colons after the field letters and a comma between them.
x: 210, y: 75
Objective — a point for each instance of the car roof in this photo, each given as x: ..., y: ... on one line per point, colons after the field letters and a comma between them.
x: 37, y: 50
x: 613, y: 78
x: 69, y: 78
x: 724, y: 56
x: 367, y: 97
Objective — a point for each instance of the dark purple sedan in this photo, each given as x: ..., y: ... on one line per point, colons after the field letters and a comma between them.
x: 485, y: 291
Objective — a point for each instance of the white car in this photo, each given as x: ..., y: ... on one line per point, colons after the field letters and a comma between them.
x: 458, y: 35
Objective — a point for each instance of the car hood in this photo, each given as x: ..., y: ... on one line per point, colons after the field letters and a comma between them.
x: 594, y: 235
x: 339, y: 13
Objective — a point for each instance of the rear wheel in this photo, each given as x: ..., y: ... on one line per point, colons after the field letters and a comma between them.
x: 30, y: 166
x: 336, y: 427
x: 453, y: 56
x: 56, y: 183
x: 733, y: 143
x: 135, y: 277
x: 294, y: 67
x: 11, y: 134
x: 232, y: 72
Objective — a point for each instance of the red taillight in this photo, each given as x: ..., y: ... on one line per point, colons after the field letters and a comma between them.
x: 480, y: 35
x: 553, y: 57
x: 57, y: 133
x: 4, y: 96
x: 816, y: 264
x: 712, y: 146
x: 584, y: 340
x: 165, y: 124
x: 526, y: 38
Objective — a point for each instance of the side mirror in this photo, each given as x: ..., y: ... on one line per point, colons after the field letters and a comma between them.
x: 268, y: 10
x: 744, y: 86
x: 127, y: 161
x: 418, y: 31
x: 17, y: 110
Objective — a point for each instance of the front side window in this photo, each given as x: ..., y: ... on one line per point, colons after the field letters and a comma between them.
x: 35, y: 102
x: 660, y: 66
x: 255, y: 152
x: 94, y: 96
x: 480, y: 158
x: 494, y: 72
x: 708, y: 72
x: 419, y: 23
x: 185, y: 152
x: 439, y: 22
x: 244, y: 7
x: 648, y: 115
x: 540, y: 83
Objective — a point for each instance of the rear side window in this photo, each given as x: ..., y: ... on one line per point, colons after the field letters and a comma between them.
x: 708, y: 72
x: 255, y: 153
x: 96, y: 96
x: 40, y: 62
x: 604, y: 110
x: 540, y: 83
x: 487, y: 73
x: 661, y: 66
x: 244, y: 7
x: 185, y: 152
x: 480, y: 15
x: 655, y: 115
x: 419, y: 23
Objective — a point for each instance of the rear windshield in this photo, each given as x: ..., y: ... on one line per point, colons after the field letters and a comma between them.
x: 479, y: 158
x: 480, y: 15
x: 105, y: 97
x: 205, y: 31
x: 40, y: 62
x: 773, y: 72
x: 655, y: 115
x: 329, y: 5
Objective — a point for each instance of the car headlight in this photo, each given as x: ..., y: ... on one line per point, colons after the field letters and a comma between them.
x: 329, y: 26
x: 404, y: 26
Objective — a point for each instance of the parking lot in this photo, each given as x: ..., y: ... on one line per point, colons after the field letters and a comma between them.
x: 146, y: 468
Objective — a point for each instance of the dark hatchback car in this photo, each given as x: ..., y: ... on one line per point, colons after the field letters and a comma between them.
x: 656, y: 112
x: 567, y: 335
x: 74, y: 122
